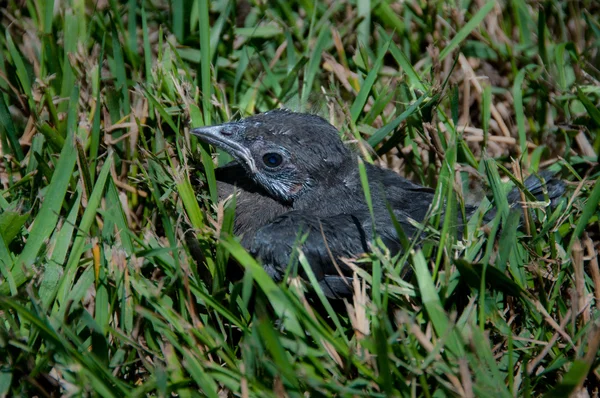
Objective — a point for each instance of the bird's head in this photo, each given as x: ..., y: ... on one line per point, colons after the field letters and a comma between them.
x: 284, y: 152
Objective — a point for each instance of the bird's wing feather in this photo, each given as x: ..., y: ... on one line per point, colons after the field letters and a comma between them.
x: 329, y: 238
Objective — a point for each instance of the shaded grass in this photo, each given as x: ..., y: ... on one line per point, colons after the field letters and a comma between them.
x: 102, y: 292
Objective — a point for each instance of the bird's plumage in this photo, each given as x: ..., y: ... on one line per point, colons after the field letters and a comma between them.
x: 293, y: 174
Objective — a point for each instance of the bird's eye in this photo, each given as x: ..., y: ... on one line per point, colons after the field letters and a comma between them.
x: 272, y: 159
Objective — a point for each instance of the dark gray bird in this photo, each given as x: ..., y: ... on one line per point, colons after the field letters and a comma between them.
x: 293, y: 174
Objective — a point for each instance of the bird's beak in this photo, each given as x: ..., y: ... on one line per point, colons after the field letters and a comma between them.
x: 226, y: 137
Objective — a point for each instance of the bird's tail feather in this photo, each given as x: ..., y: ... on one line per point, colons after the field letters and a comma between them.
x: 545, y: 185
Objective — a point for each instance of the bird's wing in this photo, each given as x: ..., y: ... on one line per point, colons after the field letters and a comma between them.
x: 404, y: 196
x: 545, y: 182
x: 554, y: 187
x: 329, y: 239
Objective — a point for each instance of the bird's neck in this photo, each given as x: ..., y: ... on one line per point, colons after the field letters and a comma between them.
x: 333, y: 190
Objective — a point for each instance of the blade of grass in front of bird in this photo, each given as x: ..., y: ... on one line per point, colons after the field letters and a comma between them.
x: 450, y: 218
x: 278, y: 353
x: 508, y: 239
x: 398, y: 227
x: 211, y: 302
x: 550, y: 224
x: 188, y: 197
x: 276, y: 296
x: 376, y: 287
x: 383, y: 356
x: 315, y: 284
x: 222, y: 255
x: 364, y: 180
x: 498, y: 191
x: 520, y: 185
x: 485, y: 262
x: 207, y: 162
x: 434, y: 307
x: 445, y: 195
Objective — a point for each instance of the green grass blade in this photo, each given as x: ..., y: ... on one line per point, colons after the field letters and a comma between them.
x: 519, y: 111
x: 383, y: 132
x: 466, y: 30
x: 8, y: 128
x: 367, y: 85
x: 591, y: 208
x: 205, y: 61
x: 87, y: 220
x: 433, y: 305
x: 323, y: 40
x: 48, y: 216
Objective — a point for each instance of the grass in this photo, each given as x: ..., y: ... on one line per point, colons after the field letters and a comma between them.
x: 114, y: 250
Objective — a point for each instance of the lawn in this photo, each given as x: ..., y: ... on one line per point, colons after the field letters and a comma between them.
x: 117, y: 259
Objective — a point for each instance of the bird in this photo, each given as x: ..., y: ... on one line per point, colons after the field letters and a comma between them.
x: 293, y: 175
